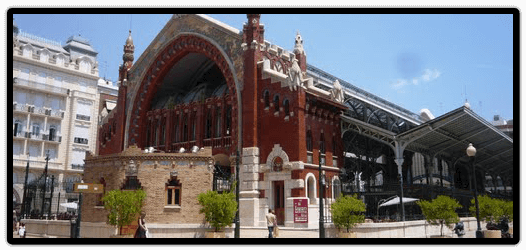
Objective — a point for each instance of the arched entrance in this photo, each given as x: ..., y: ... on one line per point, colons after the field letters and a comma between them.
x: 182, y: 64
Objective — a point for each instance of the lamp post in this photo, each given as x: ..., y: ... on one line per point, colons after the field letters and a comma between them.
x: 471, y: 151
x: 321, y: 185
x: 44, y: 188
x: 237, y: 229
x: 25, y: 189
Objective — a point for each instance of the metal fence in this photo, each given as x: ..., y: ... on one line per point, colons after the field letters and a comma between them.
x: 46, y: 198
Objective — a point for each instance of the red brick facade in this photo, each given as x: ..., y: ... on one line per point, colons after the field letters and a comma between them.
x: 272, y: 113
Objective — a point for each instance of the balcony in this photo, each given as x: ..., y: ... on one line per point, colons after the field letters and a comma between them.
x: 41, y: 111
x: 41, y: 86
x: 77, y: 166
x: 83, y: 117
x: 21, y: 135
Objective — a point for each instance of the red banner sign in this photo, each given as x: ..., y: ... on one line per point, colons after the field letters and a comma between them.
x: 301, y: 210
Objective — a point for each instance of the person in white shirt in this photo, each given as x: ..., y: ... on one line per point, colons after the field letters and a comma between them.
x: 271, y: 222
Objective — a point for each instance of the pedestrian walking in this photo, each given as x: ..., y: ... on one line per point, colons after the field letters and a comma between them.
x: 271, y: 222
x: 142, y: 230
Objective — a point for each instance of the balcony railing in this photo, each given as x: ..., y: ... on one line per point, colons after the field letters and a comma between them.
x: 37, y: 85
x: 38, y: 110
x: 83, y: 117
x: 52, y: 138
x: 77, y: 166
x: 80, y: 140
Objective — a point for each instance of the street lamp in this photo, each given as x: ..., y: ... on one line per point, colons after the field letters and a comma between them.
x: 24, y: 207
x: 471, y: 151
x: 237, y: 229
x: 44, y: 188
x: 321, y: 185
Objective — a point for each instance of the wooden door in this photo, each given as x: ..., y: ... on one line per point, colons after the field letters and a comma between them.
x: 279, y: 201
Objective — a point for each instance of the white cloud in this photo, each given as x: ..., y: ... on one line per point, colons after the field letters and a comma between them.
x: 427, y: 75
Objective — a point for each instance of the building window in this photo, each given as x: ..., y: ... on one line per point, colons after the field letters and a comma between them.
x: 52, y: 133
x: 276, y: 103
x: 163, y: 130
x: 131, y: 183
x: 173, y: 192
x: 208, y: 125
x: 309, y: 140
x: 228, y: 118
x: 194, y: 121
x: 322, y: 143
x: 218, y: 122
x: 176, y: 126
x: 266, y: 98
x: 36, y: 130
x: 185, y: 128
x: 286, y: 107
x: 18, y: 128
x: 148, y: 131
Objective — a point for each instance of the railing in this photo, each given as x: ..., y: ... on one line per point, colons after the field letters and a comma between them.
x: 83, y: 117
x: 77, y: 166
x: 37, y: 85
x: 53, y: 138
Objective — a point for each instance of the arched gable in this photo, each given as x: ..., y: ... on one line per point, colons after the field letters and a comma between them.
x: 175, y: 50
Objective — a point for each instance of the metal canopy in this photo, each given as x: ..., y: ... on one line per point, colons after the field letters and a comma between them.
x: 450, y: 134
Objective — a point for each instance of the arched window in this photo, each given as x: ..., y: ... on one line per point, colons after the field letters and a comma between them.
x: 194, y: 121
x: 176, y: 129
x: 311, y: 189
x: 148, y: 134
x: 266, y: 98
x: 286, y: 107
x: 185, y: 128
x: 163, y: 131
x: 228, y: 118
x: 208, y: 125
x: 218, y: 122
x: 276, y: 103
x: 336, y: 188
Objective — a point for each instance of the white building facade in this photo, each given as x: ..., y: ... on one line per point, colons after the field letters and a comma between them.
x: 55, y: 109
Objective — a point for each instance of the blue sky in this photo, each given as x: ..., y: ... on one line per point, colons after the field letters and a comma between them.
x: 415, y: 61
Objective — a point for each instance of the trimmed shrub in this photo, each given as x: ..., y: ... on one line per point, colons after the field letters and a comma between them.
x: 347, y: 211
x: 440, y: 211
x: 219, y: 209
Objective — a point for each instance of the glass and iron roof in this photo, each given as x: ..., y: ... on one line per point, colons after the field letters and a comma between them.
x: 450, y: 134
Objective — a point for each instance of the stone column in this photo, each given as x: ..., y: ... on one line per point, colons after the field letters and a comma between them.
x: 248, y: 186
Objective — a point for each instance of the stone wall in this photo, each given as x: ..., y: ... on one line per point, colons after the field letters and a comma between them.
x: 153, y: 171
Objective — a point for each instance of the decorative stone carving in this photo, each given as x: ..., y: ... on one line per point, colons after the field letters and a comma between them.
x: 336, y: 93
x: 298, y: 44
x: 277, y: 151
x: 295, y: 78
x: 131, y: 169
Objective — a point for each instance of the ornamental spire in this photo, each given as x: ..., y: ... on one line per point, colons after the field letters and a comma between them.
x: 129, y: 49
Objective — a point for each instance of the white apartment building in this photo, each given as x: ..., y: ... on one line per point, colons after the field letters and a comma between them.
x: 55, y: 109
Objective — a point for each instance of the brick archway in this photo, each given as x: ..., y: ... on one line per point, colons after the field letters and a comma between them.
x: 181, y: 46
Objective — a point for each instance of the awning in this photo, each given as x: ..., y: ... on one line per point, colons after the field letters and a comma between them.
x: 450, y: 134
x: 396, y: 201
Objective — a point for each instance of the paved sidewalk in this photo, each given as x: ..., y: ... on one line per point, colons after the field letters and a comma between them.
x: 284, y: 232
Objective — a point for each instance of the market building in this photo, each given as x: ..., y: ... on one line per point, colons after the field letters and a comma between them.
x: 203, y: 87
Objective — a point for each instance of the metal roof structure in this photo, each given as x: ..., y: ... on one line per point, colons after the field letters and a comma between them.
x: 450, y: 134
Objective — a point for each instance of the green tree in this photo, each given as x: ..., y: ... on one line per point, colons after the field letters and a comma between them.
x: 507, y: 207
x: 123, y: 205
x: 219, y: 209
x: 347, y: 211
x: 440, y: 211
x: 491, y: 210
